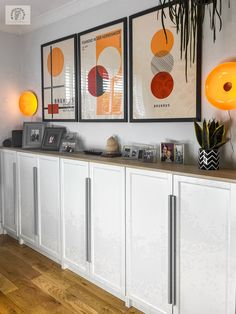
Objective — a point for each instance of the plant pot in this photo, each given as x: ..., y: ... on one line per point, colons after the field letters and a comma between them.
x: 208, y: 159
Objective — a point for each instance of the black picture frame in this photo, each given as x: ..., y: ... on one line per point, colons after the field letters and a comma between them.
x: 75, y: 89
x: 198, y: 62
x: 33, y: 133
x: 125, y: 71
x: 52, y: 138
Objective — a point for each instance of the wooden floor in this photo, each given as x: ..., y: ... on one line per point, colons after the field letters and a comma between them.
x: 31, y: 283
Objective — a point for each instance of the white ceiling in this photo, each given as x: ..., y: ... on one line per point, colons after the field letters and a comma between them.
x: 44, y: 12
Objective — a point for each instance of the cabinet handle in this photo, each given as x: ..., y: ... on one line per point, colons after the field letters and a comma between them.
x: 14, y: 191
x: 88, y: 220
x: 170, y: 249
x: 174, y: 249
x: 35, y: 185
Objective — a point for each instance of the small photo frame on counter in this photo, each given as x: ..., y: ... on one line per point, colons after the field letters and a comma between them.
x: 52, y: 138
x: 33, y: 133
x: 150, y: 155
x: 179, y: 154
x: 167, y: 152
x: 69, y: 143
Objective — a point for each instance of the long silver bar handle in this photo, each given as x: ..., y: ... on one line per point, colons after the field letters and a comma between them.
x: 174, y: 234
x: 170, y: 249
x: 14, y: 191
x: 88, y: 220
x: 35, y: 185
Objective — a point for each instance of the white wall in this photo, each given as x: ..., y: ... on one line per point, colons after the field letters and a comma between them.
x: 95, y: 135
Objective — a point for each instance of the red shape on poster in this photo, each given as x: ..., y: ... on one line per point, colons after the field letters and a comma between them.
x: 53, y: 109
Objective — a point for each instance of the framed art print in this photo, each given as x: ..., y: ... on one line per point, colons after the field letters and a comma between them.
x: 103, y: 72
x: 59, y: 79
x: 159, y: 90
x: 52, y: 138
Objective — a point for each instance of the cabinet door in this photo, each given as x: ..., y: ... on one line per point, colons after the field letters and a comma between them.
x: 108, y: 227
x: 49, y: 205
x: 28, y: 217
x: 205, y: 214
x: 147, y: 239
x: 73, y: 177
x: 9, y: 191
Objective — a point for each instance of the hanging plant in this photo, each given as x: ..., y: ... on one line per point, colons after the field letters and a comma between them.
x: 185, y: 15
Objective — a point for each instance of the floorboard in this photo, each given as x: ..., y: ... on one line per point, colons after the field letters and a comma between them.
x: 31, y: 283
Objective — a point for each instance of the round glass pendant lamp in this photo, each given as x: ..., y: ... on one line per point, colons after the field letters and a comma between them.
x: 220, y: 86
x: 28, y: 103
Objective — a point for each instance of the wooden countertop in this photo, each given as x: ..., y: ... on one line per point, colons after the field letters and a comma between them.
x: 227, y: 175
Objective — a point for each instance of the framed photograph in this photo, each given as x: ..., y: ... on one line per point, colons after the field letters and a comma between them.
x: 179, y: 153
x: 150, y: 155
x: 68, y: 143
x: 103, y: 73
x: 33, y: 134
x: 52, y: 138
x: 126, y: 152
x: 159, y: 91
x: 167, y: 152
x: 59, y: 79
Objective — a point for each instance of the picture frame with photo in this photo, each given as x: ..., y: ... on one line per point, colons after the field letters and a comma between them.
x: 167, y: 152
x: 150, y: 155
x: 33, y: 133
x: 68, y: 143
x: 52, y: 138
x: 179, y: 153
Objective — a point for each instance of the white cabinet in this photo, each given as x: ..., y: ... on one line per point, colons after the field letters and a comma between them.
x: 93, y: 219
x: 108, y: 227
x: 28, y: 198
x: 205, y: 246
x: 49, y: 205
x: 39, y: 203
x: 147, y: 239
x: 73, y: 204
x: 9, y: 191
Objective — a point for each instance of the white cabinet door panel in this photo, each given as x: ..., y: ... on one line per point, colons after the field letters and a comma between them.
x: 147, y: 239
x: 49, y: 205
x: 28, y: 214
x: 204, y: 214
x: 9, y: 191
x: 108, y: 226
x: 73, y: 176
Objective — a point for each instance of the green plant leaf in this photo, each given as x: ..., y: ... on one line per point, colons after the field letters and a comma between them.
x: 198, y: 132
x: 205, y: 135
x: 219, y: 136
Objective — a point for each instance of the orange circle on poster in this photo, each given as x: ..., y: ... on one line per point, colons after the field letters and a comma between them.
x: 220, y: 86
x: 159, y: 45
x: 57, y: 59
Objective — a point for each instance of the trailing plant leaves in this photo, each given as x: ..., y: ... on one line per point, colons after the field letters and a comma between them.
x: 198, y: 132
x: 185, y: 15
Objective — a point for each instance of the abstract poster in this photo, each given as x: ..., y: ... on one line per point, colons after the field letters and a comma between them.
x: 102, y: 73
x: 59, y: 80
x: 159, y: 90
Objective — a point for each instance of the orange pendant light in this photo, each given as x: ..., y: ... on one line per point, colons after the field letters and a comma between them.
x: 220, y: 86
x: 28, y: 103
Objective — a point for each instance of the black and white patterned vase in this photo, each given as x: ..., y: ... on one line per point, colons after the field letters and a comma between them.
x: 208, y: 159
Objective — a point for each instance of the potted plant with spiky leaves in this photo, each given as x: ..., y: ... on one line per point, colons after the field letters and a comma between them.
x: 210, y: 136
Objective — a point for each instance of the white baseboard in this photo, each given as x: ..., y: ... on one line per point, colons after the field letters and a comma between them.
x: 1, y: 229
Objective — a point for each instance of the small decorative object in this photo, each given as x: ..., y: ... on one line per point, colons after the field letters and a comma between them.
x: 68, y: 143
x: 6, y: 142
x: 150, y: 155
x: 126, y: 152
x: 52, y: 138
x: 179, y: 153
x: 95, y: 152
x: 220, y: 86
x: 211, y: 136
x: 112, y: 148
x: 135, y: 151
x: 33, y: 133
x: 159, y: 90
x: 28, y: 103
x: 17, y: 136
x: 167, y: 151
x: 59, y: 79
x: 102, y: 73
